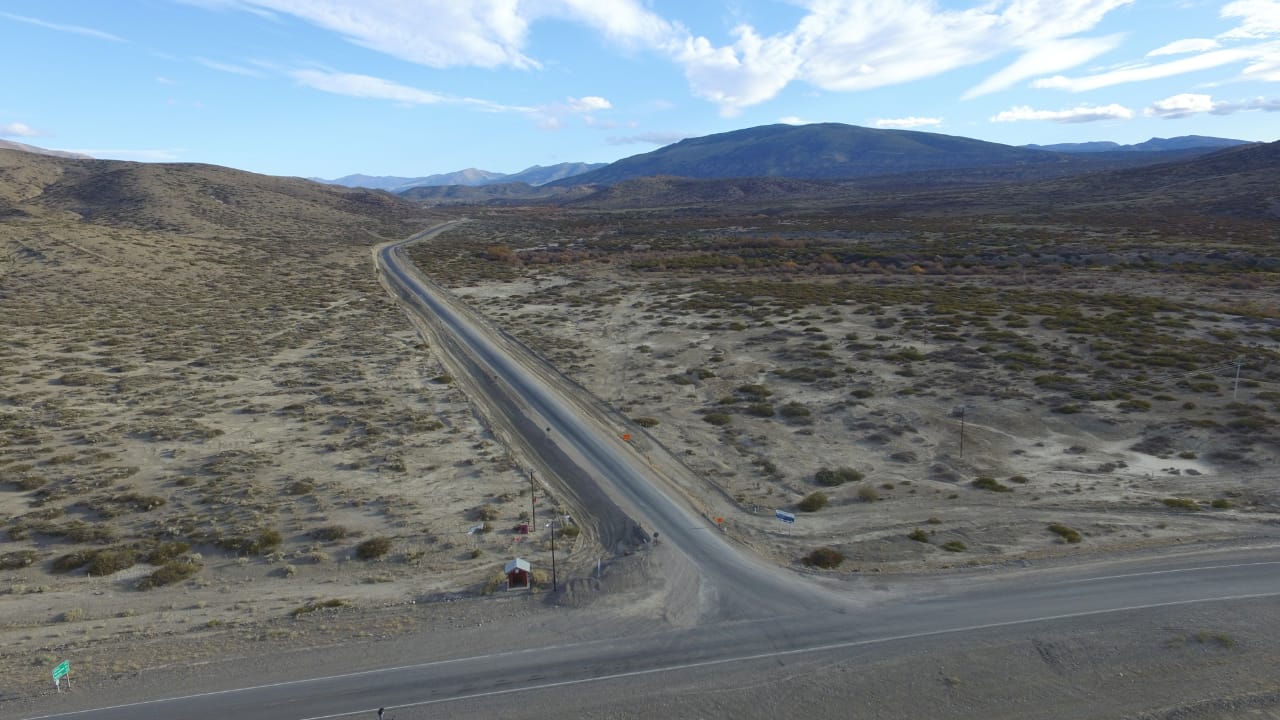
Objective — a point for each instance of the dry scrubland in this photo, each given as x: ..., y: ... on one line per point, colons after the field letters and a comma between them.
x: 213, y: 419
x: 828, y: 364
x: 216, y: 430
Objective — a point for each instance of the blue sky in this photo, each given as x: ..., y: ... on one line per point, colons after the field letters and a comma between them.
x: 323, y: 88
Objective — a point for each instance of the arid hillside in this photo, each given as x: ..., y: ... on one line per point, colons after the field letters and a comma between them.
x: 213, y: 418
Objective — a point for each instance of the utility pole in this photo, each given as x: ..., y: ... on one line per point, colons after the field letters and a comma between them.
x: 533, y: 502
x: 962, y: 411
x: 554, y: 586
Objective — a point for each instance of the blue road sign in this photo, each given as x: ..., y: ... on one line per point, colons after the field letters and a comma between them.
x: 785, y: 517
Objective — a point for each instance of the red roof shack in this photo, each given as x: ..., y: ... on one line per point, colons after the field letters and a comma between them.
x: 517, y: 573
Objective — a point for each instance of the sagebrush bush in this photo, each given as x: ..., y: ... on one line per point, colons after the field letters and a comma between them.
x: 839, y: 476
x: 1068, y: 534
x: 825, y: 557
x: 813, y: 502
x: 373, y: 548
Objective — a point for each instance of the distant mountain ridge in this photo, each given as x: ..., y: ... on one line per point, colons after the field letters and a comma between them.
x: 834, y: 151
x: 22, y: 147
x: 1182, y: 142
x: 471, y: 177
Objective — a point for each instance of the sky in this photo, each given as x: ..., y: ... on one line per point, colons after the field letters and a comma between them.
x: 325, y: 88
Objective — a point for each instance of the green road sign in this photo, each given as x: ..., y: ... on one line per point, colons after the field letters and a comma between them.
x: 61, y: 671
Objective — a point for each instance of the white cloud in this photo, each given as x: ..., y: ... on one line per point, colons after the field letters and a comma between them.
x: 435, y: 33
x: 1259, y: 18
x: 750, y: 72
x: 794, y: 120
x: 228, y: 67
x: 1216, y: 58
x: 1182, y: 47
x: 367, y: 86
x: 649, y: 138
x: 907, y: 122
x: 1084, y: 113
x: 73, y: 29
x: 837, y: 45
x: 591, y: 103
x: 17, y: 129
x: 1052, y: 56
x: 1181, y: 105
x: 1187, y: 104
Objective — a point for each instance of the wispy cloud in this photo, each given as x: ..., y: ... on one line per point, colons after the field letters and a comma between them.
x: 1258, y: 18
x: 587, y: 104
x: 836, y: 46
x: 17, y: 129
x: 228, y: 67
x: 1082, y: 114
x: 906, y: 122
x: 649, y: 138
x: 795, y: 120
x: 1182, y: 47
x: 1203, y: 61
x: 73, y: 29
x: 1188, y: 104
x: 367, y: 86
x: 1053, y: 56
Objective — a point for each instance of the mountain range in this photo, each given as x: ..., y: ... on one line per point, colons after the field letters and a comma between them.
x: 471, y: 177
x: 22, y: 147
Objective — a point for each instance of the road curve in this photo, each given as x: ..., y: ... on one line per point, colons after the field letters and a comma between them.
x: 733, y: 583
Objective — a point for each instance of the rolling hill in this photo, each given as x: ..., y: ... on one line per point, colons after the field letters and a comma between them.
x: 832, y: 151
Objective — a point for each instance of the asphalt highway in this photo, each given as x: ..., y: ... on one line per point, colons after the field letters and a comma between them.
x: 748, y: 612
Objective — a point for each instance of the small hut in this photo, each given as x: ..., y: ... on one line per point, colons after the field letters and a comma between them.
x: 518, y: 575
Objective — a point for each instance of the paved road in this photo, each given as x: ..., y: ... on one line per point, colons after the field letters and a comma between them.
x: 750, y: 612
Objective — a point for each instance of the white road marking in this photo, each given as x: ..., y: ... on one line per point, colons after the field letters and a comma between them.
x: 797, y: 651
x: 1168, y: 572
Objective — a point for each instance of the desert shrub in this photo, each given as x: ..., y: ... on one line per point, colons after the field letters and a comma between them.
x: 73, y: 560
x: 329, y: 533
x: 755, y: 392
x: 813, y: 502
x: 163, y: 552
x: 866, y: 493
x: 919, y: 535
x: 72, y: 615
x: 645, y: 422
x: 1220, y: 504
x: 990, y: 483
x: 934, y: 521
x: 954, y: 546
x: 1020, y: 479
x: 716, y: 418
x: 487, y: 512
x: 794, y: 411
x: 17, y: 559
x: 825, y: 558
x: 300, y: 487
x: 1181, y: 503
x: 1068, y: 534
x: 570, y: 531
x: 170, y: 573
x: 106, y: 562
x: 838, y: 476
x: 262, y: 543
x: 373, y: 548
x: 760, y: 409
x: 316, y: 605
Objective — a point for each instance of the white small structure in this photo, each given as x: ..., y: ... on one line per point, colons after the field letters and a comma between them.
x: 518, y: 574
